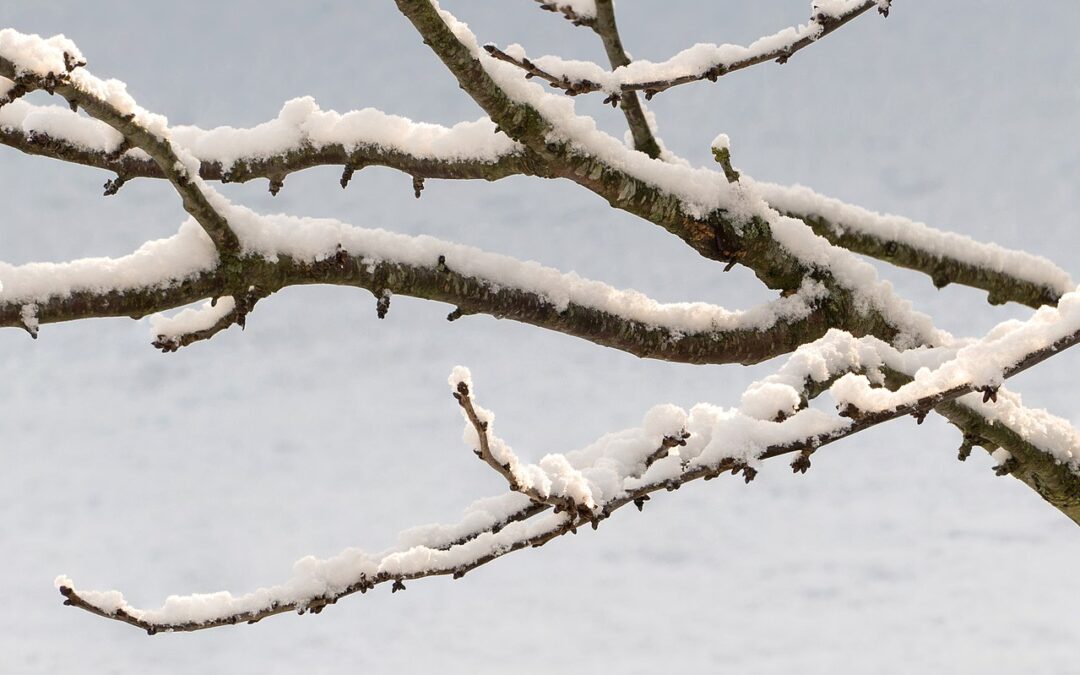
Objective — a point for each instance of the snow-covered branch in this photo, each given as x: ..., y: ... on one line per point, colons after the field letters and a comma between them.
x: 281, y: 251
x: 57, y: 66
x: 577, y: 12
x: 945, y: 257
x: 724, y: 221
x: 300, y: 137
x: 847, y: 332
x: 700, y: 62
x: 589, y: 485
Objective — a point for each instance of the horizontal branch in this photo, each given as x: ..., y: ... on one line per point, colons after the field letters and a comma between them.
x: 284, y: 251
x: 301, y: 137
x: 577, y: 12
x: 700, y: 62
x: 947, y: 258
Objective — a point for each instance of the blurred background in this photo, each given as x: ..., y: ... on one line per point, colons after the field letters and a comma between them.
x: 321, y: 427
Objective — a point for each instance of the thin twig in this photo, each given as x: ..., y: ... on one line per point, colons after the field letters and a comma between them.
x: 825, y: 23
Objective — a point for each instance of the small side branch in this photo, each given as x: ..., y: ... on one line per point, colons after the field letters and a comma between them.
x: 702, y: 62
x: 507, y: 464
x: 608, y: 30
x: 195, y: 325
x: 578, y: 12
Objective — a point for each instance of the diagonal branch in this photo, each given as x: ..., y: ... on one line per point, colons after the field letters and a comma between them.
x: 608, y: 31
x: 700, y: 62
x: 707, y: 455
x: 720, y: 220
x: 61, y: 72
x: 945, y: 257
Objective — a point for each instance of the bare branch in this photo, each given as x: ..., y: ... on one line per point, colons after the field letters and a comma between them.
x: 608, y: 31
x: 719, y: 60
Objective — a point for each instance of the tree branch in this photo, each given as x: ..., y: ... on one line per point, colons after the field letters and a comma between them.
x: 320, y: 583
x: 165, y: 275
x: 577, y: 13
x: 357, y: 140
x: 690, y: 203
x: 701, y: 62
x: 115, y: 107
x: 945, y: 257
x: 608, y: 31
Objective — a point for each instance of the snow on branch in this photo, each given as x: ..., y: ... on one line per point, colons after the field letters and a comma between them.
x: 300, y: 137
x: 728, y: 222
x: 56, y: 66
x: 700, y: 62
x: 946, y: 257
x: 554, y: 481
x: 577, y: 12
x: 280, y: 251
x: 619, y: 469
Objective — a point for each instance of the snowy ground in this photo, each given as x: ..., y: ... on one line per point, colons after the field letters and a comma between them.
x: 321, y: 427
